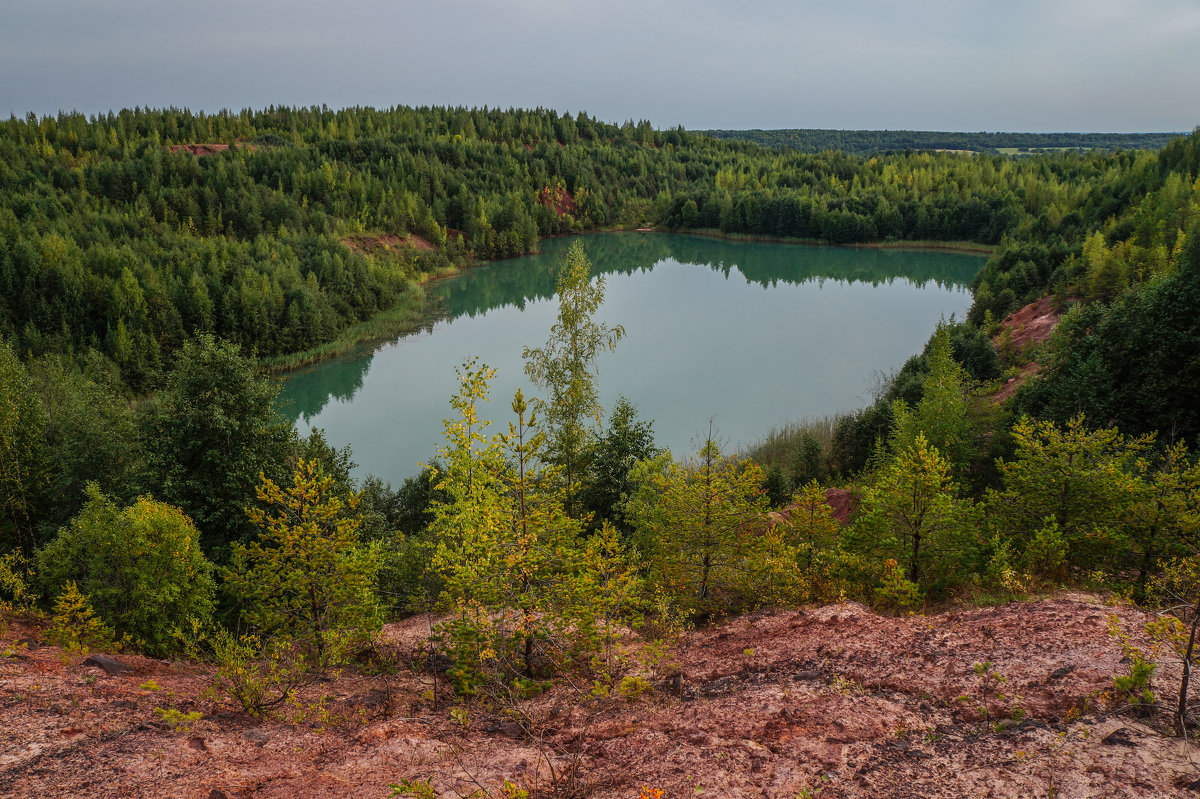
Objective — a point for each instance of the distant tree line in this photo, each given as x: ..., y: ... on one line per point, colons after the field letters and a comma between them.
x: 870, y: 142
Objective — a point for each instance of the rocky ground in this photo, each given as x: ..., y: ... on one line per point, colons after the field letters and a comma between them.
x: 835, y: 701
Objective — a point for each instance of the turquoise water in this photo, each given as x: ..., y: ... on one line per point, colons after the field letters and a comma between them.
x: 750, y: 335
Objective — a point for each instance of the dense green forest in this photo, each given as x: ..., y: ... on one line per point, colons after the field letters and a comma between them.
x: 871, y: 142
x: 151, y: 494
x: 119, y: 239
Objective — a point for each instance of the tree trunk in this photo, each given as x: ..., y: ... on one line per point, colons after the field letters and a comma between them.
x: 1181, y: 709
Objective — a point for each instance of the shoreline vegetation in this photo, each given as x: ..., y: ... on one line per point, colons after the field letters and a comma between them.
x: 410, y: 315
x: 923, y: 245
x: 406, y: 316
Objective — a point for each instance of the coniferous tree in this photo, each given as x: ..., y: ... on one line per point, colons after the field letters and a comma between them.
x: 566, y: 368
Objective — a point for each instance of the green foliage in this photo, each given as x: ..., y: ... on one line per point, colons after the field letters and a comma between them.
x: 306, y: 577
x: 871, y: 142
x: 21, y: 422
x: 626, y: 441
x: 911, y: 512
x: 506, y: 547
x: 1131, y: 364
x: 1165, y: 520
x: 261, y: 676
x: 942, y: 414
x: 1134, y: 687
x: 531, y: 596
x: 633, y: 686
x: 895, y: 592
x: 16, y: 596
x: 417, y: 789
x: 141, y: 566
x: 798, y: 558
x: 996, y: 709
x: 696, y: 523
x: 566, y: 368
x: 176, y: 719
x: 794, y: 454
x: 90, y: 436
x: 606, y: 591
x: 1068, y: 495
x: 209, y: 435
x: 74, y: 625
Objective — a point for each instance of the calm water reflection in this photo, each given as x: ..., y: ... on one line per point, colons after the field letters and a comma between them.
x: 751, y: 335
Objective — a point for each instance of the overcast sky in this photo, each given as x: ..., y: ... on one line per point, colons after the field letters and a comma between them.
x: 1020, y: 65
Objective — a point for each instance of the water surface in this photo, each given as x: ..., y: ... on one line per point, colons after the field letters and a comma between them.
x: 750, y: 335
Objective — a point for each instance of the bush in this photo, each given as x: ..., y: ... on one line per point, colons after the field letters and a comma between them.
x: 261, y: 676
x: 75, y: 626
x: 306, y: 576
x: 141, y: 567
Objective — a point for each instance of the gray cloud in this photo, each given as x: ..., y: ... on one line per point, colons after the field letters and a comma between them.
x: 1111, y: 65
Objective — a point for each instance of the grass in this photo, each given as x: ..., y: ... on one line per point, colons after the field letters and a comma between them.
x: 401, y: 318
x: 782, y: 444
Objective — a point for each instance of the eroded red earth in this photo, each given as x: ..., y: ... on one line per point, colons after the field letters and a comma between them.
x: 836, y: 699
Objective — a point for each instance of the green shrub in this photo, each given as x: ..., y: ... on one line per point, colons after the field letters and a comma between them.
x: 1135, y: 686
x: 633, y: 687
x: 141, y: 567
x: 261, y: 676
x: 74, y: 625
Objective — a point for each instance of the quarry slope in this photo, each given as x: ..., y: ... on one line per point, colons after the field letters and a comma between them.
x: 836, y: 700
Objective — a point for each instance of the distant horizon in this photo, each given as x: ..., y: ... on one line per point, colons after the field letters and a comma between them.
x: 258, y: 109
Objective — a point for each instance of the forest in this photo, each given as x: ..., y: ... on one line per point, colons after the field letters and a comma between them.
x: 872, y: 142
x: 127, y: 233
x: 151, y: 497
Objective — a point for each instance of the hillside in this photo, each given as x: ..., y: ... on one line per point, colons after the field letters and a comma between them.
x: 152, y: 498
x: 833, y: 699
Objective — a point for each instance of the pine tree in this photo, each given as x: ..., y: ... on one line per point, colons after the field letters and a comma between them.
x: 912, y: 514
x: 697, y: 523
x: 506, y: 548
x: 306, y: 576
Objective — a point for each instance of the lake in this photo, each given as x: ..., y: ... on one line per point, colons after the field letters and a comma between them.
x: 749, y: 335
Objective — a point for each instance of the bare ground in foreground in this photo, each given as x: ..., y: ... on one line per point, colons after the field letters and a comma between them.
x: 835, y: 700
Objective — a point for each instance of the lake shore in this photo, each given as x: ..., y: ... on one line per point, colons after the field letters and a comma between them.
x: 412, y: 312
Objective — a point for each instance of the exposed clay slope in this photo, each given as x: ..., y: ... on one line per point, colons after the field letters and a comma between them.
x: 558, y: 200
x: 765, y: 706
x: 1021, y: 330
x: 208, y: 149
x: 387, y: 243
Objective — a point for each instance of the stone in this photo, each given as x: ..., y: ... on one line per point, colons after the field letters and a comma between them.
x: 257, y: 737
x: 509, y: 729
x: 1118, y: 737
x: 111, y: 666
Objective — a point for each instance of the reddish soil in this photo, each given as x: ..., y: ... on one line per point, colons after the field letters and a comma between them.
x: 768, y: 705
x: 1016, y: 381
x: 207, y: 149
x: 842, y: 502
x: 387, y: 243
x: 1027, y: 326
x: 1020, y: 331
x: 558, y: 200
